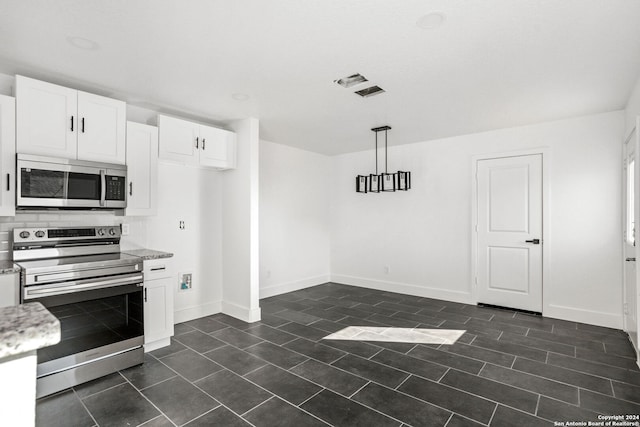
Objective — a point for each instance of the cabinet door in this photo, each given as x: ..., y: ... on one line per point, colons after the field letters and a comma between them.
x: 179, y: 140
x: 158, y: 310
x: 142, y: 169
x: 7, y: 156
x: 46, y: 118
x: 101, y: 128
x: 218, y: 147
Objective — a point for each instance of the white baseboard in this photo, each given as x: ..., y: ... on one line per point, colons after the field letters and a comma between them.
x: 196, y: 312
x: 239, y: 312
x: 404, y: 288
x: 296, y: 285
x: 592, y: 317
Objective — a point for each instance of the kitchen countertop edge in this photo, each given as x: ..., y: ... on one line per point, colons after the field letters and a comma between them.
x: 8, y: 267
x: 148, y: 254
x: 25, y: 328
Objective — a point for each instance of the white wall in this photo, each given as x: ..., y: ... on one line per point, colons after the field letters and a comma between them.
x: 191, y: 195
x: 241, y: 228
x: 294, y: 218
x: 424, y: 235
x: 633, y: 108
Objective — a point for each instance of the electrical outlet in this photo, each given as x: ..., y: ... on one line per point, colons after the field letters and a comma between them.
x: 181, y: 225
x: 124, y: 229
x: 186, y: 281
x: 387, y: 269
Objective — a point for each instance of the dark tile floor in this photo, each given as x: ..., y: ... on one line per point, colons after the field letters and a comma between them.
x: 508, y: 369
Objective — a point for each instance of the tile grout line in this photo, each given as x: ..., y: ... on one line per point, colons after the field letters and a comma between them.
x: 355, y: 392
x: 84, y: 406
x: 449, y: 420
x: 149, y: 400
x: 310, y: 397
x: 493, y: 414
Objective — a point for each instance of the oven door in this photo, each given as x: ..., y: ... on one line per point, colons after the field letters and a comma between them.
x: 98, y: 318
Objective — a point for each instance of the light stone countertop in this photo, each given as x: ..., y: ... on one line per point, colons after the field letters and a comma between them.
x: 27, y: 327
x: 8, y: 267
x: 148, y: 254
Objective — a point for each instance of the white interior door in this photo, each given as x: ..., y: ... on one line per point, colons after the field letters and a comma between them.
x: 630, y: 286
x: 509, y: 239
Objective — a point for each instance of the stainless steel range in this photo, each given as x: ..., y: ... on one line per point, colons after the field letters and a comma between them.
x: 95, y: 291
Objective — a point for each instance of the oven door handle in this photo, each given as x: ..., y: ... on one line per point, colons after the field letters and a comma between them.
x: 41, y: 291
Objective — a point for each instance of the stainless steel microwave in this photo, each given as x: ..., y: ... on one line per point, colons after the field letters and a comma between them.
x: 48, y: 182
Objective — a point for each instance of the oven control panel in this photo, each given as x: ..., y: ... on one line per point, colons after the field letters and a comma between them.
x: 28, y: 235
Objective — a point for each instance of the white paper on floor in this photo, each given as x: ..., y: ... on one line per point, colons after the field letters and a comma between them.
x: 408, y: 335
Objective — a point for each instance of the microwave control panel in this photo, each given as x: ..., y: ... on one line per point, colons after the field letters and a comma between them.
x: 115, y: 188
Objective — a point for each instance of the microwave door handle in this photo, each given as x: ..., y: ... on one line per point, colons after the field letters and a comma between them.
x: 103, y: 187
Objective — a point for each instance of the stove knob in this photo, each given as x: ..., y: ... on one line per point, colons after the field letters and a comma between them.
x: 101, y: 232
x: 112, y: 231
x: 24, y: 234
x: 39, y: 234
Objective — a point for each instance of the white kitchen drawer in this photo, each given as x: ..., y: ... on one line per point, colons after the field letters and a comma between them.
x: 157, y: 269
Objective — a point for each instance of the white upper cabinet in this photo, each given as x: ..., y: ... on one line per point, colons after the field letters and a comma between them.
x: 101, y: 133
x: 46, y: 118
x: 57, y: 121
x: 179, y: 140
x: 195, y: 144
x: 7, y: 156
x: 218, y: 148
x: 142, y: 169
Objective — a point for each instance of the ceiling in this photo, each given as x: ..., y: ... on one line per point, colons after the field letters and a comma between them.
x: 491, y: 64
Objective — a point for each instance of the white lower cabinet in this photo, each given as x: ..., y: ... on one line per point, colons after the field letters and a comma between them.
x: 158, y: 303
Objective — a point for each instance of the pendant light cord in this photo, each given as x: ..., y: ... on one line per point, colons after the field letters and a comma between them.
x: 385, y: 151
x: 376, y: 153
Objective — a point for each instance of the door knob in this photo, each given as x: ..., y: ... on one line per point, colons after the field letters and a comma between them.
x: 631, y: 259
x: 534, y: 241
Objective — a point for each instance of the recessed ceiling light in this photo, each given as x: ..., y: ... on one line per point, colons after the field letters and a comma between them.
x: 82, y: 43
x: 352, y: 80
x: 431, y: 20
x: 240, y: 96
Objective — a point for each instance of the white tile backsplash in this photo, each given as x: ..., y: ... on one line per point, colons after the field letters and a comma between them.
x: 137, y: 225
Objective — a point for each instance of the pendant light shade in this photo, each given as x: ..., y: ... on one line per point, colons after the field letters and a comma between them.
x: 361, y: 183
x: 384, y: 182
x: 375, y: 183
x: 403, y: 180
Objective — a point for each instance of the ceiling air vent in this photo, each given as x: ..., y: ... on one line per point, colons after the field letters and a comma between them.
x: 352, y: 80
x: 370, y: 91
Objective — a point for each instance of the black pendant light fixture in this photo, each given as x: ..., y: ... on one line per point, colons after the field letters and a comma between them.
x: 384, y: 182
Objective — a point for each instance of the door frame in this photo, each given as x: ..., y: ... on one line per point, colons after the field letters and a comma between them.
x: 625, y: 326
x: 545, y: 152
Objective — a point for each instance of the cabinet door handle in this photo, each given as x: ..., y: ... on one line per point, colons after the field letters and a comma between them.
x: 8, y: 181
x: 203, y: 141
x: 534, y: 241
x: 131, y: 188
x: 145, y: 294
x: 83, y: 125
x: 158, y: 268
x: 71, y: 123
x: 197, y: 141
